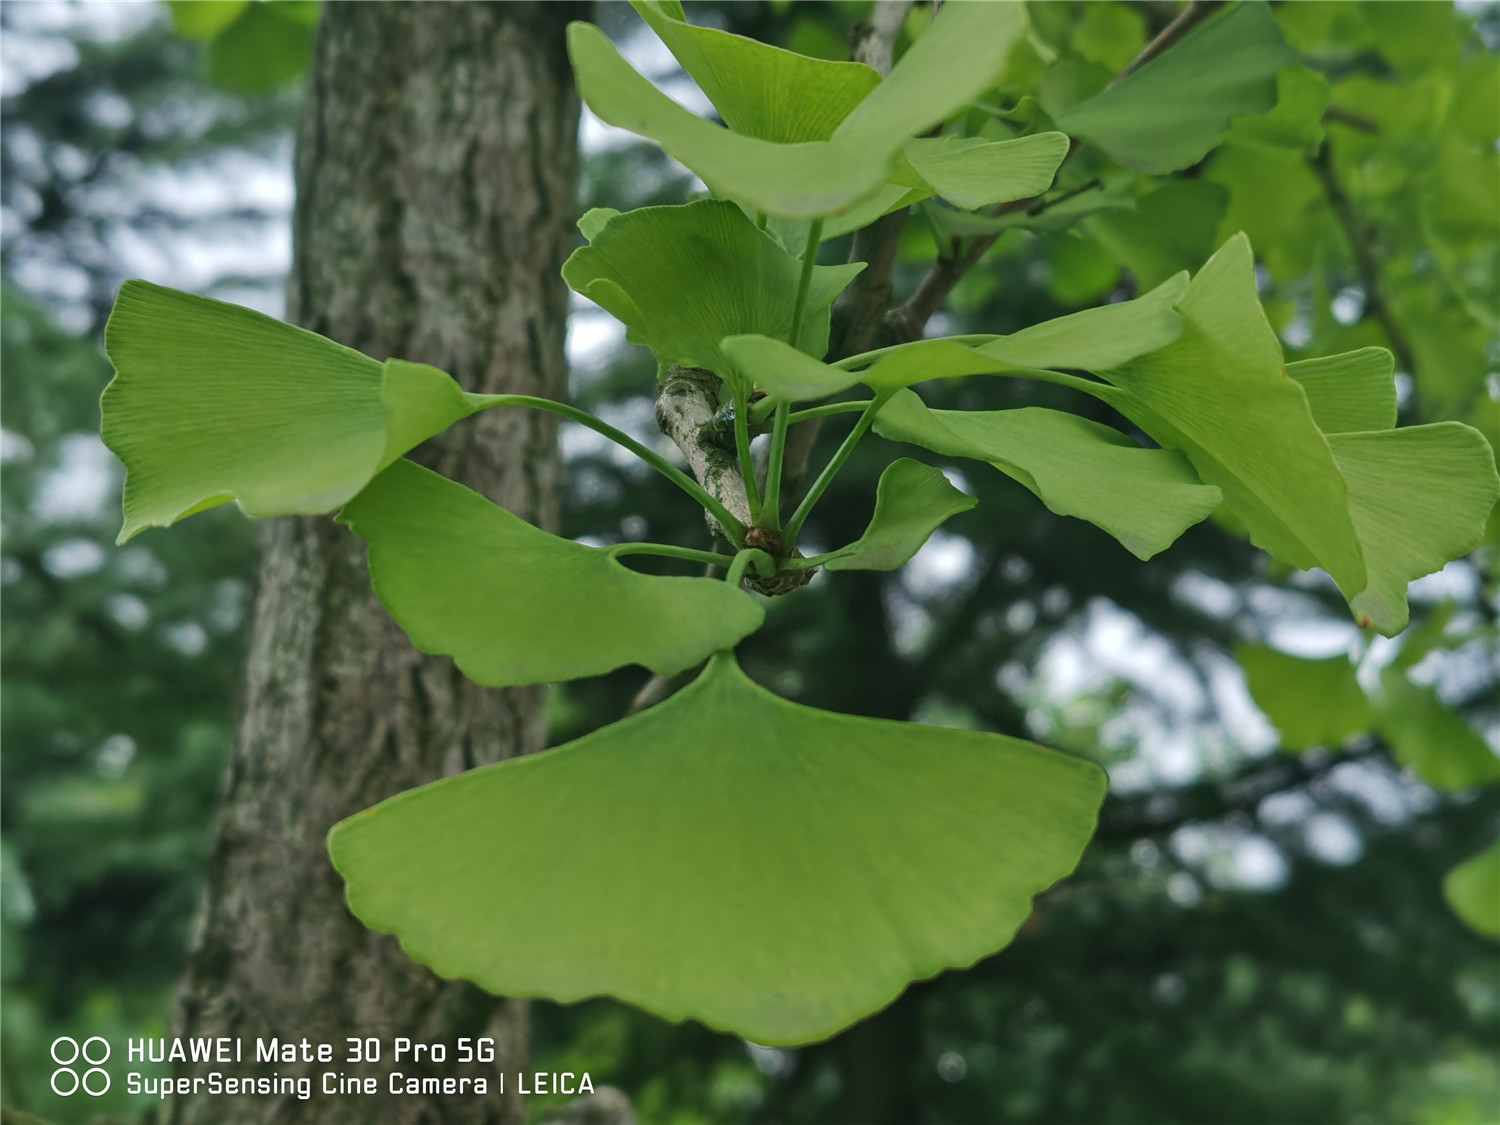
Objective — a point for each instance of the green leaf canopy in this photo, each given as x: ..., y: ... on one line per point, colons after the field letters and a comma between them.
x: 1145, y: 498
x: 513, y: 604
x: 1430, y: 738
x: 1311, y: 702
x: 212, y: 402
x: 766, y: 868
x: 1168, y: 114
x: 682, y: 278
x: 952, y: 63
x: 912, y: 501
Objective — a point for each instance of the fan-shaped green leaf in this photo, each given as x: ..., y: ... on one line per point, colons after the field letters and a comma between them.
x: 1145, y: 498
x: 683, y: 278
x: 950, y: 64
x: 212, y: 402
x: 1419, y: 496
x: 1311, y: 702
x: 972, y: 173
x: 912, y: 501
x: 514, y: 605
x: 1172, y: 111
x: 1473, y: 890
x: 766, y: 868
x: 1431, y: 738
x: 787, y: 374
x: 1221, y: 395
x: 1349, y: 392
x: 759, y: 90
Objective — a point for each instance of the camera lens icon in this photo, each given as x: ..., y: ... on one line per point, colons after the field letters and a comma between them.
x: 66, y: 1052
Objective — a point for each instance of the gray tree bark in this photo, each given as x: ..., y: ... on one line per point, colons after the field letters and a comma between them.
x: 435, y: 205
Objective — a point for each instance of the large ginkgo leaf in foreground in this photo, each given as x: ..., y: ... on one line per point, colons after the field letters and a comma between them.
x: 766, y: 868
x: 514, y: 605
x: 1145, y: 498
x: 912, y: 501
x: 682, y: 278
x: 212, y: 402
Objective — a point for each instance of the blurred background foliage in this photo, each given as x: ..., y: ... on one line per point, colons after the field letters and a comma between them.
x: 1255, y: 936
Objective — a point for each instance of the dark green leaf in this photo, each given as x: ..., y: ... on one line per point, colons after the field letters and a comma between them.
x: 1311, y: 702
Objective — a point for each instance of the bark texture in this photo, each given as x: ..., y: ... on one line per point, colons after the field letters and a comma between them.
x: 435, y: 205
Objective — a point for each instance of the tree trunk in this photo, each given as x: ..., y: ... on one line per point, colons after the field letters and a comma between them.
x: 435, y: 204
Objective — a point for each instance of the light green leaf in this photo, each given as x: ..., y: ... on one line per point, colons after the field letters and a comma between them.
x: 766, y: 868
x: 513, y: 604
x: 971, y: 173
x: 759, y: 90
x: 912, y: 501
x: 1349, y: 392
x: 950, y: 64
x: 795, y: 181
x: 1221, y: 395
x: 683, y: 278
x: 269, y: 44
x: 1430, y: 738
x: 1473, y: 890
x: 1098, y: 339
x: 787, y: 374
x: 1419, y: 496
x: 1168, y: 114
x: 1311, y: 702
x: 212, y: 402
x: 1145, y: 498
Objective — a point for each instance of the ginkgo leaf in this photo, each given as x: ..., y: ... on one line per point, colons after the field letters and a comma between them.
x: 787, y: 374
x: 912, y: 501
x: 513, y: 604
x: 1473, y: 890
x: 951, y: 63
x: 1419, y: 497
x: 1349, y: 392
x: 682, y: 278
x: 760, y: 90
x: 766, y: 868
x: 1145, y: 498
x: 212, y: 402
x: 1311, y: 702
x: 1098, y: 339
x: 1431, y: 738
x: 1168, y: 114
x: 1221, y: 395
x: 971, y: 173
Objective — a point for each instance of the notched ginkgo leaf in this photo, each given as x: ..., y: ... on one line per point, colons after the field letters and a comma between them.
x: 950, y: 64
x: 1419, y: 496
x: 766, y: 868
x: 912, y: 501
x: 1145, y: 498
x: 212, y: 402
x: 513, y: 604
x: 682, y: 278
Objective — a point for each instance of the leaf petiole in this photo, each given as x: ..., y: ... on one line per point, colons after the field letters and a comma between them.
x: 669, y: 551
x: 732, y: 527
x: 830, y: 470
x: 764, y: 565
